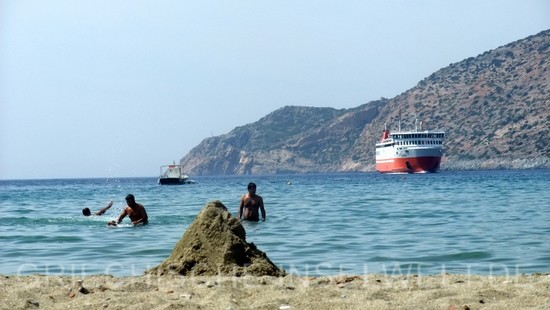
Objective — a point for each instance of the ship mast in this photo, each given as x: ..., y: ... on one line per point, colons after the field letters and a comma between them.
x: 399, y: 120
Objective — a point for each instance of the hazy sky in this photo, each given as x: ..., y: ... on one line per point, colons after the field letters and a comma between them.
x: 95, y: 88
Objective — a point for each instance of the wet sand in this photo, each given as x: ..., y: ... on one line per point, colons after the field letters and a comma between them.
x: 290, y: 292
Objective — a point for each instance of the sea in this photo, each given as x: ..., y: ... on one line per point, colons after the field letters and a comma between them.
x: 463, y: 222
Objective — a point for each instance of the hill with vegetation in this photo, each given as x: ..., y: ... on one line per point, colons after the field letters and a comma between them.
x: 494, y: 108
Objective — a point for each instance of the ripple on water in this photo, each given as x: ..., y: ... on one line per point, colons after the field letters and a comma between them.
x: 462, y: 256
x: 449, y: 221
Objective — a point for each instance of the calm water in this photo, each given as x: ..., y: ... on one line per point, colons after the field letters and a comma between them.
x: 488, y: 222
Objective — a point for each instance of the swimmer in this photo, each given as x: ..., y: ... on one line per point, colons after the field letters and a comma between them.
x: 134, y: 210
x: 87, y: 212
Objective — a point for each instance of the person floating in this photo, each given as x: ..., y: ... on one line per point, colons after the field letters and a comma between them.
x: 134, y: 210
x: 87, y: 212
x: 250, y: 203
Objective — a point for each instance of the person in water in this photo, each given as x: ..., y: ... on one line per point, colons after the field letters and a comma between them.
x: 87, y: 212
x: 134, y: 210
x: 250, y: 204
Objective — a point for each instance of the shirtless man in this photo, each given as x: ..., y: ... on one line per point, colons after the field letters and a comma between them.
x: 87, y: 212
x: 134, y: 210
x: 250, y: 203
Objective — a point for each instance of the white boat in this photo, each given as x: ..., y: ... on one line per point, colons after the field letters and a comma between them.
x: 173, y: 175
x: 409, y: 151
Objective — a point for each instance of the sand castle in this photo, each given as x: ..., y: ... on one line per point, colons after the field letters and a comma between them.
x: 215, y: 244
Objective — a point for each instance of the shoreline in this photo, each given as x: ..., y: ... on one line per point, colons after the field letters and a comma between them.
x: 373, y: 291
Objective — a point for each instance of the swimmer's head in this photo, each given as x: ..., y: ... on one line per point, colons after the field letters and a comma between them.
x: 130, y: 199
x: 86, y: 212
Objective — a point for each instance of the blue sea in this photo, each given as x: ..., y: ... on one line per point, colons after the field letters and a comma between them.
x: 473, y: 222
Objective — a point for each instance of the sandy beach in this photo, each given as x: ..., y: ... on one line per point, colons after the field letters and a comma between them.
x: 290, y: 292
x: 213, y: 267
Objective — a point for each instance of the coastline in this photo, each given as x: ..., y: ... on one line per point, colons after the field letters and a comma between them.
x: 443, y: 291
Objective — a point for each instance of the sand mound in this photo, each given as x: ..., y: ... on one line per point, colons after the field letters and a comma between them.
x: 215, y: 244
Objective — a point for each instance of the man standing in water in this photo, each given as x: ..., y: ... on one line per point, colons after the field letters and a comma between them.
x: 250, y: 203
x: 134, y: 210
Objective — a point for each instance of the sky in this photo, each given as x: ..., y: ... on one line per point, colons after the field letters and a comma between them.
x: 117, y: 88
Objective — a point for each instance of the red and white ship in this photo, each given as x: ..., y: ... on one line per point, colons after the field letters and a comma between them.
x: 409, y: 151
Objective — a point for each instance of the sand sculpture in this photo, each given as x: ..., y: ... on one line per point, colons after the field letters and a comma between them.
x: 215, y: 244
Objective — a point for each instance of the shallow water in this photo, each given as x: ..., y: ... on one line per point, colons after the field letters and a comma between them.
x: 483, y: 222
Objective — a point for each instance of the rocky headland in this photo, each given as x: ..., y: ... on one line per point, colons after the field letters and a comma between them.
x: 494, y: 108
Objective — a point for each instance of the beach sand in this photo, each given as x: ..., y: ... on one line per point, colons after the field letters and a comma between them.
x: 443, y: 291
x: 213, y: 267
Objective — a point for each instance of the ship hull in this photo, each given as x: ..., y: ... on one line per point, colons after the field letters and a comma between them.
x: 171, y: 181
x: 409, y: 165
x: 408, y: 159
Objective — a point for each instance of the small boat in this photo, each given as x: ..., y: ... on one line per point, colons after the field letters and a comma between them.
x: 173, y: 175
x: 409, y: 151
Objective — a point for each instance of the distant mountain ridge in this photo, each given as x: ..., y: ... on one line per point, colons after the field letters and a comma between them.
x: 494, y: 108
